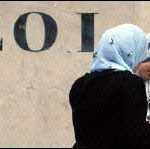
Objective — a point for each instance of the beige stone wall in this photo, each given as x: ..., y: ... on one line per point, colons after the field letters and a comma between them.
x: 34, y: 87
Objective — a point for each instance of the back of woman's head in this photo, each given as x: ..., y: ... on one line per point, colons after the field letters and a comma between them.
x: 120, y: 48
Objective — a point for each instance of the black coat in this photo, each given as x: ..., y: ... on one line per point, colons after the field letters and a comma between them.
x: 109, y: 110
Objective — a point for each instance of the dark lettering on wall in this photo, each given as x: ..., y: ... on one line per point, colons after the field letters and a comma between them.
x: 50, y: 31
x: 1, y: 44
x: 87, y: 27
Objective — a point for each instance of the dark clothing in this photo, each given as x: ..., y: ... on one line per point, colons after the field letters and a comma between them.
x: 109, y: 110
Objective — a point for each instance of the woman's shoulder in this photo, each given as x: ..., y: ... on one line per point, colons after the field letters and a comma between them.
x: 77, y: 89
x: 121, y: 82
x: 118, y: 77
x: 127, y: 80
x: 131, y: 83
x: 130, y: 78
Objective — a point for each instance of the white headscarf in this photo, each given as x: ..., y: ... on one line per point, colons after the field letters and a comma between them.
x: 120, y: 48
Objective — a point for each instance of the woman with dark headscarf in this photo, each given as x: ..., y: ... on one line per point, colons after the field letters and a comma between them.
x: 109, y: 104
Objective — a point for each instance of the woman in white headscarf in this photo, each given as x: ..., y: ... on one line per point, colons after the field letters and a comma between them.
x: 109, y: 104
x: 120, y: 48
